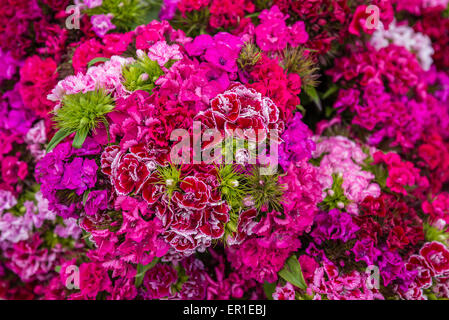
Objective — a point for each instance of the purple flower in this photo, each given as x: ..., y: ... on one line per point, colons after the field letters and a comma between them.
x: 364, y: 250
x: 298, y: 144
x: 102, y: 23
x: 333, y: 225
x: 7, y: 200
x: 70, y: 229
x: 79, y: 175
x: 92, y: 3
x: 8, y: 65
x: 392, y: 268
x: 199, y: 45
x: 168, y: 9
x: 224, y: 51
x: 96, y: 200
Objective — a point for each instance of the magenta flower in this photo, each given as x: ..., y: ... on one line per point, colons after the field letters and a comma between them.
x: 102, y: 23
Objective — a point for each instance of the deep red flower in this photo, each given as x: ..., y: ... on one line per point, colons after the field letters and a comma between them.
x: 195, y: 194
x: 107, y: 158
x: 424, y: 272
x: 373, y: 206
x: 13, y: 169
x: 437, y: 256
x: 213, y: 220
x: 93, y: 279
x: 397, y: 239
x: 151, y: 190
x: 228, y: 105
x: 128, y: 174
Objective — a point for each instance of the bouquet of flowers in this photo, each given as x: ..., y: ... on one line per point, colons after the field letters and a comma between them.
x: 204, y: 149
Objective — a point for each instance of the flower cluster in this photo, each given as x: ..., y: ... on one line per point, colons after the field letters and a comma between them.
x: 238, y: 149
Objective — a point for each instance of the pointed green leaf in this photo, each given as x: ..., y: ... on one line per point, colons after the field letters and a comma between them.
x: 269, y: 289
x: 57, y: 138
x: 85, y: 195
x: 95, y: 60
x: 80, y: 137
x: 313, y: 94
x: 292, y: 273
x: 332, y: 89
x: 142, y: 269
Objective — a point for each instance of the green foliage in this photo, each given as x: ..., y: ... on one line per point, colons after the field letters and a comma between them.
x: 232, y: 186
x: 142, y: 269
x: 313, y: 95
x: 231, y: 226
x: 128, y: 14
x: 28, y: 195
x: 292, y: 273
x: 434, y: 234
x: 379, y: 170
x: 296, y: 61
x: 263, y: 4
x: 51, y: 240
x: 81, y: 113
x: 317, y: 161
x: 142, y: 74
x: 269, y: 289
x: 265, y: 190
x: 193, y: 23
x: 182, y: 278
x: 337, y: 195
x: 170, y: 176
x: 249, y: 56
x: 95, y: 60
x: 445, y: 13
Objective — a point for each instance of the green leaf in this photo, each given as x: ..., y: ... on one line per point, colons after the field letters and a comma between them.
x: 142, y: 269
x: 86, y: 239
x: 292, y: 273
x: 313, y: 94
x: 85, y: 195
x: 301, y: 109
x: 333, y: 88
x: 95, y: 60
x: 152, y: 10
x: 80, y: 137
x: 269, y: 289
x: 57, y: 138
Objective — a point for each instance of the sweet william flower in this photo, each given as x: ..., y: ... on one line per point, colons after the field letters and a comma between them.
x: 102, y: 23
x: 96, y: 200
x: 93, y: 279
x: 7, y: 200
x: 360, y: 21
x: 13, y: 169
x: 159, y: 280
x: 286, y: 292
x: 437, y: 256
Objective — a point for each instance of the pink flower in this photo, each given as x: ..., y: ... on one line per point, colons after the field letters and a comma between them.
x: 158, y: 281
x: 93, y: 279
x: 37, y: 134
x: 13, y: 169
x: 96, y: 200
x: 359, y: 21
x: 163, y: 53
x: 286, y: 292
x: 437, y: 256
x: 101, y: 23
x: 298, y: 34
